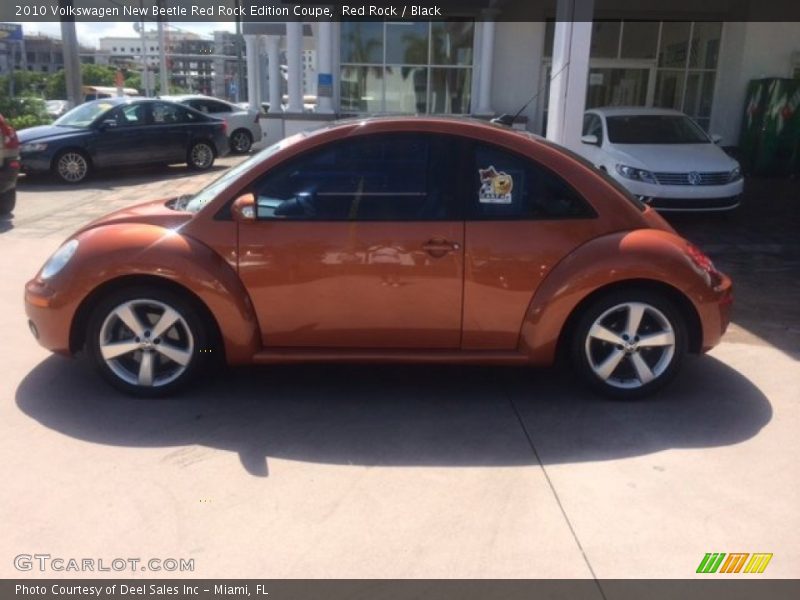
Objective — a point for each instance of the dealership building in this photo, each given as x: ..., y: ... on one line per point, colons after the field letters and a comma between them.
x: 699, y: 61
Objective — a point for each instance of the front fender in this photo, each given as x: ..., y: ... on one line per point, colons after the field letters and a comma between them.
x: 643, y: 255
x: 109, y: 253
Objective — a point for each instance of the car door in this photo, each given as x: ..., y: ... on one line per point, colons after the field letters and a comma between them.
x: 169, y: 125
x: 522, y: 220
x: 358, y: 244
x: 122, y: 137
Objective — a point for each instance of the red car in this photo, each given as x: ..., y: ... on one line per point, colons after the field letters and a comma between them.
x: 424, y: 240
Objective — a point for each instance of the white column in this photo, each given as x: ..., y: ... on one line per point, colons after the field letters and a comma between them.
x: 570, y: 72
x: 294, y: 62
x: 162, y: 58
x: 274, y: 68
x: 485, y: 69
x: 325, y: 65
x: 253, y: 75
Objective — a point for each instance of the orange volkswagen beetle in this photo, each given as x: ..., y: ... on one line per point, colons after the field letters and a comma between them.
x: 386, y: 240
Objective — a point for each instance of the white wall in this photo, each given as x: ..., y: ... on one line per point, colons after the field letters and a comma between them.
x: 749, y: 51
x: 516, y: 69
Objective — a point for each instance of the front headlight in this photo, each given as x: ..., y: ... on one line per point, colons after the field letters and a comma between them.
x: 33, y: 147
x: 59, y: 260
x: 736, y: 174
x: 636, y: 174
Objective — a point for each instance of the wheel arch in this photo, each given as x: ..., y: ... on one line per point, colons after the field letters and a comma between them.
x: 674, y: 295
x: 645, y: 259
x: 77, y: 334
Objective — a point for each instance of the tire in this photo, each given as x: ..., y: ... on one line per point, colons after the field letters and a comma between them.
x: 8, y: 200
x: 241, y: 141
x: 72, y: 166
x: 609, y: 353
x: 133, y: 351
x: 200, y: 156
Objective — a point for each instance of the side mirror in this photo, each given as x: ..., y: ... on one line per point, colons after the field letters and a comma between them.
x: 716, y: 138
x: 590, y: 139
x: 108, y: 124
x: 244, y: 208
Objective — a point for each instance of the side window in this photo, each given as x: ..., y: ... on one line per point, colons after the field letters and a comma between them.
x: 200, y: 105
x: 130, y: 115
x: 217, y: 107
x: 387, y: 177
x: 164, y: 114
x: 510, y: 186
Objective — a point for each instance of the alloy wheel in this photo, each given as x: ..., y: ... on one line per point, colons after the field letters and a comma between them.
x: 72, y: 167
x: 630, y: 345
x: 202, y: 156
x: 146, y: 343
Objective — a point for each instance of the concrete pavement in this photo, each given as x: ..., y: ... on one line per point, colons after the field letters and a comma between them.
x: 323, y: 471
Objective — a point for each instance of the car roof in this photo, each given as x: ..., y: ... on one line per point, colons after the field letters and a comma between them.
x: 632, y: 111
x: 182, y: 97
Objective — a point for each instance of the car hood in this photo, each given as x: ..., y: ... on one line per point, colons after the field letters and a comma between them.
x: 155, y: 212
x: 674, y: 158
x: 32, y: 134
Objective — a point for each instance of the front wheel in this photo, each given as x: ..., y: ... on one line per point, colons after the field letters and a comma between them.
x: 72, y: 166
x: 146, y: 341
x: 200, y: 156
x: 628, y: 344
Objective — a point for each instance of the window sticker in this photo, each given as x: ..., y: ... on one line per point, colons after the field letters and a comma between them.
x: 496, y: 186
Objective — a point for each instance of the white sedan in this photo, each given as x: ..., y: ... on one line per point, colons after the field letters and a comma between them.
x: 663, y: 157
x: 243, y: 126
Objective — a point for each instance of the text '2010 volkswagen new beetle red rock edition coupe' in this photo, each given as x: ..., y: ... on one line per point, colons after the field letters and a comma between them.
x: 424, y: 240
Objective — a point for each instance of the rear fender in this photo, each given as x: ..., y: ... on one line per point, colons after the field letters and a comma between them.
x: 642, y: 255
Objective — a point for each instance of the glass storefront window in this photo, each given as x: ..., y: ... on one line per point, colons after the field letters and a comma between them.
x: 362, y: 42
x: 605, y: 39
x: 669, y: 89
x: 705, y: 45
x: 406, y: 89
x: 639, y: 39
x: 452, y: 43
x: 361, y: 89
x: 450, y: 90
x: 674, y: 44
x: 410, y: 67
x: 407, y: 43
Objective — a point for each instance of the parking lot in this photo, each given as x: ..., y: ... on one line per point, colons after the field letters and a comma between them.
x: 332, y: 471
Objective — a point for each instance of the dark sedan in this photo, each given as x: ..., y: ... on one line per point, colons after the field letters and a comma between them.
x: 116, y: 132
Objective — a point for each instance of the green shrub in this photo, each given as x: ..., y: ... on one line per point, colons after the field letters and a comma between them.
x: 24, y: 112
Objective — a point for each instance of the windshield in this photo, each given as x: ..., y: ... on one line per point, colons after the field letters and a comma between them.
x: 84, y: 115
x: 655, y: 129
x: 208, y: 193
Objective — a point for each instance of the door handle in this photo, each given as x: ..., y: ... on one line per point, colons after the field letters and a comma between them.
x: 439, y: 247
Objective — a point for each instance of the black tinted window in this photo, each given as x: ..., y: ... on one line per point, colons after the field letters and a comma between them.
x: 163, y: 113
x: 391, y: 177
x: 509, y: 186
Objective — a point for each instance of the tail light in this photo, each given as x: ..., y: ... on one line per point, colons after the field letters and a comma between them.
x: 256, y: 119
x: 225, y: 126
x: 10, y: 141
x: 704, y: 264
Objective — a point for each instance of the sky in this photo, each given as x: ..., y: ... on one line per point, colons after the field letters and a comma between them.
x: 90, y: 33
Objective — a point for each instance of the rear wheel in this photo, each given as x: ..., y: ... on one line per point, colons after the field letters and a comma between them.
x: 146, y: 341
x: 71, y: 166
x: 628, y: 344
x: 8, y: 200
x: 241, y: 141
x: 200, y: 156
